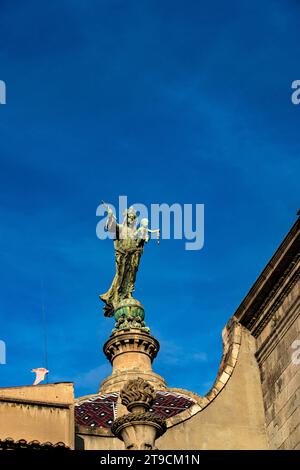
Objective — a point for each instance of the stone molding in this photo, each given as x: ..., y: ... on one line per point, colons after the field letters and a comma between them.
x: 273, y: 301
x: 131, y: 341
x: 145, y: 418
x: 24, y: 401
x: 278, y: 333
x: 115, y: 381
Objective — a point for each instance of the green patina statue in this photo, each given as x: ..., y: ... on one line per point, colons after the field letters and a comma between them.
x: 129, y: 244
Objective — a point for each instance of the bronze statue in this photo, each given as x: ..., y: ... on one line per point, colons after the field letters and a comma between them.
x: 129, y: 246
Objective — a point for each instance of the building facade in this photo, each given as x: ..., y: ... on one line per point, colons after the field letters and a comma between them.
x: 253, y: 404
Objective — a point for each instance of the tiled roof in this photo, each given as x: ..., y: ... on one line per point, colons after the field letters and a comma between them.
x: 100, y: 410
x: 169, y: 404
x: 11, y: 444
x: 97, y: 411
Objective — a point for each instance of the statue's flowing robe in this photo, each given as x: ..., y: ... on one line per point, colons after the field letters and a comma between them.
x: 128, y: 252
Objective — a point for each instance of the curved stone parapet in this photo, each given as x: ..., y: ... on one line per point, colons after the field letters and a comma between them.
x: 231, y: 335
x: 231, y: 415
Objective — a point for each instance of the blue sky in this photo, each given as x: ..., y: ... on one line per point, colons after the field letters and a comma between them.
x: 162, y: 101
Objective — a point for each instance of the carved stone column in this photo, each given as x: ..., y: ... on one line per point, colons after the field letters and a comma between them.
x: 139, y: 428
x: 131, y: 353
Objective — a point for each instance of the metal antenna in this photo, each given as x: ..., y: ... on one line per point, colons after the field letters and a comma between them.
x: 44, y: 326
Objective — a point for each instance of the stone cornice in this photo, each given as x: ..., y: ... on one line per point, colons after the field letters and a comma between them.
x: 255, y: 310
x: 131, y: 341
x: 23, y: 401
x: 282, y: 326
x: 146, y: 418
x: 272, y: 303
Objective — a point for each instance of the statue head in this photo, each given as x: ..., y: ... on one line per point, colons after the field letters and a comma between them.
x: 144, y: 223
x: 130, y: 217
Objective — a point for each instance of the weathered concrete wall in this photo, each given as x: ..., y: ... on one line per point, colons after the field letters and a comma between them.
x: 43, y: 413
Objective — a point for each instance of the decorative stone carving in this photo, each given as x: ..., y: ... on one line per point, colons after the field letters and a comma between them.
x: 131, y: 341
x: 135, y: 417
x: 138, y: 429
x: 131, y: 354
x: 137, y: 393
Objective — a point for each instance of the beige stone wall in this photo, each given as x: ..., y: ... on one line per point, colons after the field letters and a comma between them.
x: 53, y: 393
x: 43, y: 412
x: 98, y: 442
x: 234, y: 419
x: 279, y: 375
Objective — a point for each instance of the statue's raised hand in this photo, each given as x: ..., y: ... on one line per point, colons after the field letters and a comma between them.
x: 110, y: 213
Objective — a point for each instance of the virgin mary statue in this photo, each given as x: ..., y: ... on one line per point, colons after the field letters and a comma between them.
x: 129, y: 247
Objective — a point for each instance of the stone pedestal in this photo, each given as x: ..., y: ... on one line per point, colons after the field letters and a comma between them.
x: 139, y: 428
x: 131, y: 353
